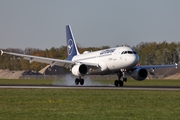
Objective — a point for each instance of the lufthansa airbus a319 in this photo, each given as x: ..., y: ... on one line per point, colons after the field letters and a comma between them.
x: 119, y: 60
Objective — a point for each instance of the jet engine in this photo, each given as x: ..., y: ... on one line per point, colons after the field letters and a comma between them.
x: 139, y: 74
x: 79, y: 70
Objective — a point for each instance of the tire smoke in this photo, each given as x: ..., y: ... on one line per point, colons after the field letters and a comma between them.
x: 69, y: 80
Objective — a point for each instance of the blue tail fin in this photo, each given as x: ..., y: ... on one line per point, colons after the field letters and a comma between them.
x: 71, y: 44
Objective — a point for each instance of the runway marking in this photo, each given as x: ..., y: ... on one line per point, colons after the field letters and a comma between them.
x: 92, y: 87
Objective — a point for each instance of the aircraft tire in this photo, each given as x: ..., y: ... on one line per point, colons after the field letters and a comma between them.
x: 125, y: 79
x: 77, y: 81
x: 116, y: 83
x: 121, y: 83
x: 82, y: 81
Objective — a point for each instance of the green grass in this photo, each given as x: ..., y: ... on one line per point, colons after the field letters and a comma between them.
x: 64, y: 104
x: 26, y: 81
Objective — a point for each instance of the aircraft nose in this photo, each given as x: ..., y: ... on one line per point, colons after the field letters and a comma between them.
x: 133, y: 60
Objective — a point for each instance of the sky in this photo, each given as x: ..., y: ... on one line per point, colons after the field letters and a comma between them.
x: 95, y: 23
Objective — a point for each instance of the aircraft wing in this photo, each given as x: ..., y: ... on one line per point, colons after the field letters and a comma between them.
x: 51, y: 61
x: 155, y: 66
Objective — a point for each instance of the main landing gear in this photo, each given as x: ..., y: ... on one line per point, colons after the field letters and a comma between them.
x: 120, y: 82
x: 79, y: 80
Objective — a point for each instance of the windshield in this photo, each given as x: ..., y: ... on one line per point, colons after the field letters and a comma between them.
x: 128, y: 52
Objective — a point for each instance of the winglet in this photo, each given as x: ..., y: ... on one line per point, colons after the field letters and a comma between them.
x: 2, y: 52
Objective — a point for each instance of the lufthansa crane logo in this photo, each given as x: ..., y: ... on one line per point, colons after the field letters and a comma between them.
x: 70, y: 46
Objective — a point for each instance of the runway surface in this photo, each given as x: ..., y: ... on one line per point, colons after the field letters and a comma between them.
x: 91, y: 87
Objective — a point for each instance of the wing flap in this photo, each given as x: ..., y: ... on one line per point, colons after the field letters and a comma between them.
x: 51, y: 61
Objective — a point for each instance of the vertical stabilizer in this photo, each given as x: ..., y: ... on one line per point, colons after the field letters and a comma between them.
x: 71, y: 43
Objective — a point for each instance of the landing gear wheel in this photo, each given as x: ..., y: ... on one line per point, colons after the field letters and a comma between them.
x: 77, y: 81
x: 121, y: 83
x: 116, y: 82
x: 125, y: 79
x: 82, y: 81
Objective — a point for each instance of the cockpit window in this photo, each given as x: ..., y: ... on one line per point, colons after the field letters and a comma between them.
x: 128, y: 52
x: 134, y: 52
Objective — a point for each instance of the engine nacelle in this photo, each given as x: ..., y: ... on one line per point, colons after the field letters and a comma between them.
x: 79, y: 70
x: 139, y: 74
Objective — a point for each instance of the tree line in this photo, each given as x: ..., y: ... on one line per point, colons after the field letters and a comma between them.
x: 149, y: 53
x: 158, y: 53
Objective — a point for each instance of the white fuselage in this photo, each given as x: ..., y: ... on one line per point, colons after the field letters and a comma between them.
x: 109, y: 60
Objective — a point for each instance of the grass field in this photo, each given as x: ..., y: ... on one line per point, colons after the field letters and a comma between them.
x: 46, y: 104
x: 68, y: 104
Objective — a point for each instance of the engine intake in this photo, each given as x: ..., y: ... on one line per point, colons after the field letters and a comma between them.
x: 139, y: 74
x: 79, y: 70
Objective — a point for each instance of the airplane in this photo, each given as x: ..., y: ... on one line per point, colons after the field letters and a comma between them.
x: 120, y: 60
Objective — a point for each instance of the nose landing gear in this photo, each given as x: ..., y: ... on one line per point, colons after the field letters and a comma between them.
x: 120, y: 82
